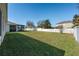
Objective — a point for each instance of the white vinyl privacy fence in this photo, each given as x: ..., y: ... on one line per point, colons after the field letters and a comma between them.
x: 74, y: 31
x: 56, y: 30
x: 29, y: 29
x: 51, y: 30
x: 68, y: 31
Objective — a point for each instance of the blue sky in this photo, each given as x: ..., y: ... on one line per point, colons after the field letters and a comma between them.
x: 55, y: 12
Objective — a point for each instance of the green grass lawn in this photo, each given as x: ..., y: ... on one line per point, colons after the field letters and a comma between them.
x: 39, y: 44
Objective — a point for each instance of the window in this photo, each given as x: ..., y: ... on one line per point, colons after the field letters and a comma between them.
x: 0, y: 21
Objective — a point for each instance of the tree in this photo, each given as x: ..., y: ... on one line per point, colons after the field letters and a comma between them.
x: 30, y: 24
x: 44, y: 24
x: 76, y: 20
x: 40, y: 24
x: 47, y: 24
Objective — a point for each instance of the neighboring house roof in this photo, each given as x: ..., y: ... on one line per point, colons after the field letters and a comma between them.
x: 65, y: 22
x: 12, y: 23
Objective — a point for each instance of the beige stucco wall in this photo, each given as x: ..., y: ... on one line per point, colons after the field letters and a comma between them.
x: 66, y: 25
x: 3, y: 7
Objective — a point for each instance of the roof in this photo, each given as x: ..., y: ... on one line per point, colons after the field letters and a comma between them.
x: 65, y: 22
x: 12, y: 23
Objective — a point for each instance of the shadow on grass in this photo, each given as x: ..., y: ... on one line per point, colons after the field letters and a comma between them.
x: 16, y: 44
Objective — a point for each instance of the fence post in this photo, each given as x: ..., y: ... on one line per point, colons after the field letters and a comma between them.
x: 76, y: 33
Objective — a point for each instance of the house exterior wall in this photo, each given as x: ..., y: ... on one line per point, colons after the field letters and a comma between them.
x: 20, y: 27
x: 8, y: 28
x: 66, y: 25
x: 15, y: 28
x: 3, y: 8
